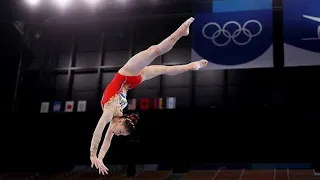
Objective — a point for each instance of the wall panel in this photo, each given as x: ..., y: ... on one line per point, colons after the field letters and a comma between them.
x: 87, y: 59
x: 209, y: 96
x: 116, y: 58
x: 85, y: 82
x: 209, y: 78
x: 177, y: 56
x: 180, y: 80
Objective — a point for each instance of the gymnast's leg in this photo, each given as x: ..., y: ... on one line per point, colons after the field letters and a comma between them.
x: 152, y: 71
x: 139, y: 61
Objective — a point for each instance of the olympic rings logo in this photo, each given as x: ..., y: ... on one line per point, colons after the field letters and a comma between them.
x: 234, y: 35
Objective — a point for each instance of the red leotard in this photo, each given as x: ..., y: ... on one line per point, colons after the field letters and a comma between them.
x: 117, y: 83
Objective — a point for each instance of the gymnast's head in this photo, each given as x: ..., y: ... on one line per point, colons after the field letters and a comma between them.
x: 124, y: 125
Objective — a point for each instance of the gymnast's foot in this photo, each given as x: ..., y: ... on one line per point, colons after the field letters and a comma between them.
x: 198, y: 64
x: 183, y: 30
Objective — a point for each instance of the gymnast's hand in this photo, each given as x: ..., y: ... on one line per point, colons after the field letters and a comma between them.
x: 98, y: 163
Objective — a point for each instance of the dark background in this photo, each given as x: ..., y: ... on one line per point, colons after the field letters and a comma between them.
x: 222, y: 115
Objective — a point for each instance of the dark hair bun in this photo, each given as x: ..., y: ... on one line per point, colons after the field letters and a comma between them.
x: 134, y: 118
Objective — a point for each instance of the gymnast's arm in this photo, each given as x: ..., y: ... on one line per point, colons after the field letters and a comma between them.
x: 106, y: 143
x: 103, y: 121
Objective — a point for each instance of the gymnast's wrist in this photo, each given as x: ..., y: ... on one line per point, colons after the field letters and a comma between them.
x: 93, y: 153
x: 100, y: 157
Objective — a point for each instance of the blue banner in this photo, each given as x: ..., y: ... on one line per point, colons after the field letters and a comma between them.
x: 240, y: 5
x: 301, y: 32
x: 234, y: 36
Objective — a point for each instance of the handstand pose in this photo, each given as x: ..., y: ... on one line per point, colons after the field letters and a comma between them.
x: 134, y: 72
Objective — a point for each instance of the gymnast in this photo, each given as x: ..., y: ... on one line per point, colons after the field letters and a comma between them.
x: 134, y: 72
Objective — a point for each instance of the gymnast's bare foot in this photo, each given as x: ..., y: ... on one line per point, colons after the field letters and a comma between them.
x: 198, y: 64
x: 183, y: 30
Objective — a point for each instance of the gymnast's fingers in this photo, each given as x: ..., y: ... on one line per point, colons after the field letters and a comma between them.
x: 105, y: 170
x: 92, y: 163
